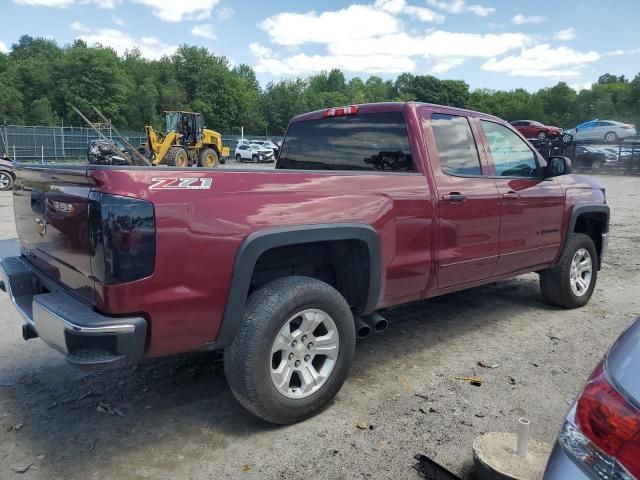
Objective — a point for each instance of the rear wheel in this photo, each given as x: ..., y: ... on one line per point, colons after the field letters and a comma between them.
x: 571, y: 282
x: 208, y: 157
x: 177, y: 157
x: 293, y: 351
x: 611, y: 137
x: 6, y: 180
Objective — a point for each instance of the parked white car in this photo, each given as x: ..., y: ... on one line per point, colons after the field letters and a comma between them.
x: 254, y: 153
x: 607, y: 130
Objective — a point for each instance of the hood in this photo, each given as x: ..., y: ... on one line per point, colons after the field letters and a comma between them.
x: 570, y: 130
x: 579, y: 181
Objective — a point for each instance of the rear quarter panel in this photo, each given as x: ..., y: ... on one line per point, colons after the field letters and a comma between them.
x: 199, y: 232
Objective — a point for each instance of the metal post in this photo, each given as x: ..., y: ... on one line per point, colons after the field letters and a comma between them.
x: 62, y: 138
x: 14, y: 153
x: 41, y: 153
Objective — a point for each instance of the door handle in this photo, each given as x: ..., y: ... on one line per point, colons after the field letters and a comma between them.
x: 511, y: 195
x: 454, y: 197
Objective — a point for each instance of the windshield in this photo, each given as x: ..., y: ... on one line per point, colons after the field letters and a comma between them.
x: 375, y: 141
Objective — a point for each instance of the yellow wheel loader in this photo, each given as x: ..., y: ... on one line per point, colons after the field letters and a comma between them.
x: 185, y: 142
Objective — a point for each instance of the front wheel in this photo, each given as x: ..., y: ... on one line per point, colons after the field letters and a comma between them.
x: 542, y: 135
x: 238, y: 158
x: 571, y: 282
x: 294, y: 349
x: 208, y: 158
x: 6, y: 180
x: 254, y: 159
x: 567, y: 138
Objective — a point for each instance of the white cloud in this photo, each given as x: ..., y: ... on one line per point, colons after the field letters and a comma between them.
x: 543, y: 61
x: 351, y: 23
x: 68, y: 3
x: 3, y: 48
x: 118, y: 21
x: 459, y: 6
x: 446, y: 65
x: 439, y: 44
x: 225, y: 13
x: 179, y: 10
x: 522, y: 19
x: 204, y: 31
x: 150, y: 47
x: 78, y: 27
x: 397, y: 7
x: 566, y: 34
x: 382, y: 54
x: 578, y: 86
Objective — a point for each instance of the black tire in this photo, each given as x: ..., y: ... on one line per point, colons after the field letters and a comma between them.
x: 6, y: 180
x: 208, y: 158
x: 247, y: 362
x: 555, y: 282
x: 177, y: 157
x: 567, y: 138
x: 238, y: 158
x: 611, y: 137
x: 254, y: 158
x: 542, y: 135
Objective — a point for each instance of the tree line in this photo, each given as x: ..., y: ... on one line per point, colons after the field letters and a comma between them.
x: 40, y: 80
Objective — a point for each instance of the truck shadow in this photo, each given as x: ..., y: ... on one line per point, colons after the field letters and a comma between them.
x: 180, y: 406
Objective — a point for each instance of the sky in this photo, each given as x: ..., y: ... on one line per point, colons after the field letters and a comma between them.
x: 497, y: 44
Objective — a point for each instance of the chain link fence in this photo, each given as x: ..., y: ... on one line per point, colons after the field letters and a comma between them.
x: 56, y: 144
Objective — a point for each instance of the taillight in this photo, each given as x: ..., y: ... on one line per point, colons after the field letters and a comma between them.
x: 341, y: 111
x: 608, y: 420
x: 627, y: 127
x: 122, y: 234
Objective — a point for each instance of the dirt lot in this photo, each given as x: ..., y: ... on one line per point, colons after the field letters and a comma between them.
x: 176, y: 418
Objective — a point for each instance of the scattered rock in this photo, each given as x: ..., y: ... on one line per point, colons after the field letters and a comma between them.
x: 362, y: 425
x: 107, y: 409
x: 245, y: 468
x: 488, y: 365
x: 476, y: 383
x: 480, y: 415
x: 472, y: 380
x: 422, y: 396
x: 512, y: 380
x: 15, y: 428
x: 22, y: 468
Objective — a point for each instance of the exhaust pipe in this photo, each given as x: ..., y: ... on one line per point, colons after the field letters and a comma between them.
x: 362, y: 329
x: 376, y: 321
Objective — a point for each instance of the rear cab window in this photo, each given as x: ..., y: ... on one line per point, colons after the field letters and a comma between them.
x: 455, y: 144
x: 368, y: 141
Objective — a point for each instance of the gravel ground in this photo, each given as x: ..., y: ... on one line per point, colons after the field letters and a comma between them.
x: 176, y: 418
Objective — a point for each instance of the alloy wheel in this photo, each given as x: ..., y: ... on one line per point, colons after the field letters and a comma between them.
x: 304, y: 353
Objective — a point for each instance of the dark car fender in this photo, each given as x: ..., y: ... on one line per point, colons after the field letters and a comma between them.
x: 259, y: 242
x: 573, y: 220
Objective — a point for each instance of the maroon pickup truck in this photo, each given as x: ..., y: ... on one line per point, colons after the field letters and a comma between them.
x: 369, y: 206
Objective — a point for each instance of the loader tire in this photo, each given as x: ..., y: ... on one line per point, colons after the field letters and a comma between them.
x: 208, y: 158
x: 177, y: 157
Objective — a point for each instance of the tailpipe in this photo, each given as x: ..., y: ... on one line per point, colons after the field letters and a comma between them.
x: 376, y: 321
x: 363, y: 330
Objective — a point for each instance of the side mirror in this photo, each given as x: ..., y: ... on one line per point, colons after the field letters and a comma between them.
x: 557, y: 166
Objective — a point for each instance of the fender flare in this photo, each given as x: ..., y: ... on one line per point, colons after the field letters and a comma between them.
x: 581, y: 210
x: 259, y: 242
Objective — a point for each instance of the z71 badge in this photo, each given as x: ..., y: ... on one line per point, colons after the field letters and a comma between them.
x: 181, y: 183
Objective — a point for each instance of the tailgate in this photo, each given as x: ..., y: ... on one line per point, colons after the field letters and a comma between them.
x: 51, y: 212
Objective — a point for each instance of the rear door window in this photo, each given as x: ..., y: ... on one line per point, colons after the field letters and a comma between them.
x: 374, y: 141
x: 456, y: 147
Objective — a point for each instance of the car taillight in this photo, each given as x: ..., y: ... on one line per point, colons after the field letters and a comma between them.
x: 610, y: 422
x: 627, y: 127
x: 122, y: 233
x: 341, y: 111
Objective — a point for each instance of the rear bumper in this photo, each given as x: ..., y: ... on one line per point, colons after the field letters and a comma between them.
x: 561, y: 467
x: 85, y: 337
